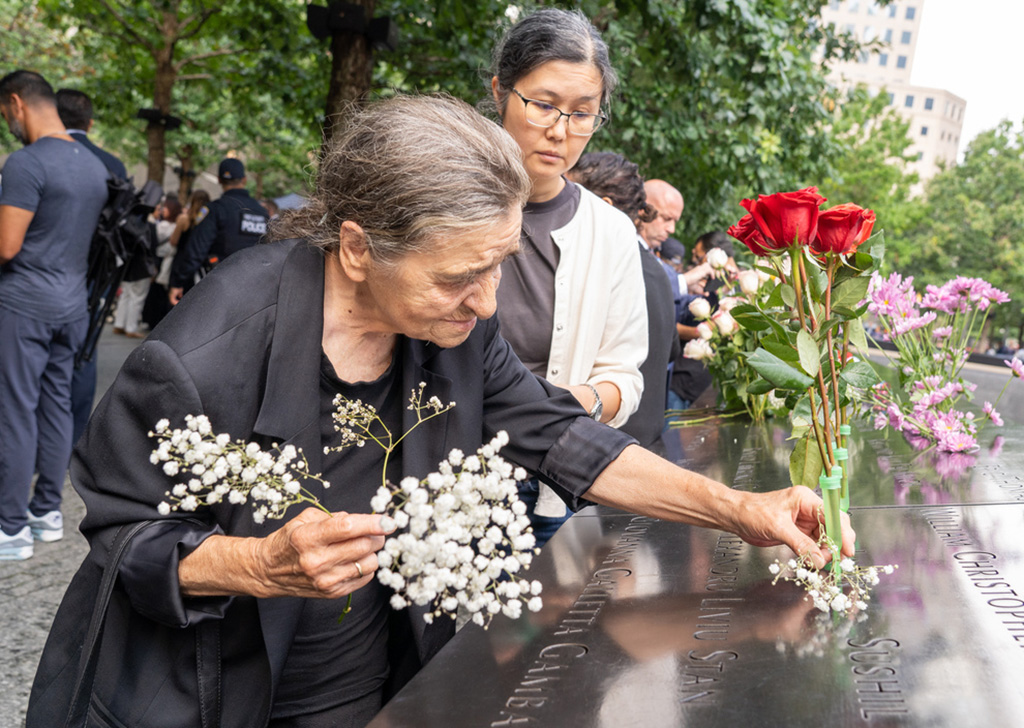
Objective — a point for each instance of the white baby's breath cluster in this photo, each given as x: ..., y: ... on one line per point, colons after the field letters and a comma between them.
x: 465, y: 540
x: 214, y: 468
x: 354, y: 420
x: 845, y: 590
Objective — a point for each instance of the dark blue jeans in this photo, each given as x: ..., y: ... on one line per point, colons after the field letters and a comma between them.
x: 543, y: 527
x: 36, y: 362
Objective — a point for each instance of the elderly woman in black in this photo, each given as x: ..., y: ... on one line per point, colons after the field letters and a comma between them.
x: 385, y: 280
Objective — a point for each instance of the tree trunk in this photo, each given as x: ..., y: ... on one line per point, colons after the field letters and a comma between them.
x: 351, y: 71
x: 163, y: 84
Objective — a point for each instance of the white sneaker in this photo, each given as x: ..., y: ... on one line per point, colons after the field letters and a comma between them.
x: 17, y: 547
x: 47, y: 527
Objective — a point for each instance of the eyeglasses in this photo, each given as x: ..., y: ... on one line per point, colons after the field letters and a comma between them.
x: 542, y: 114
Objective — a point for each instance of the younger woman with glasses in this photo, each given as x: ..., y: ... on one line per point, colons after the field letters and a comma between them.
x: 572, y: 305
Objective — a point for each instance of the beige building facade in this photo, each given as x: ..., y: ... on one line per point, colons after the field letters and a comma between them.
x: 935, y: 115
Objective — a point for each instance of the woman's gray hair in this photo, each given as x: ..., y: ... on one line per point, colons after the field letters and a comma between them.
x: 411, y: 171
x: 550, y: 35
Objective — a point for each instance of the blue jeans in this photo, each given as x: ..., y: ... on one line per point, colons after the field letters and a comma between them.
x: 544, y: 527
x: 36, y: 362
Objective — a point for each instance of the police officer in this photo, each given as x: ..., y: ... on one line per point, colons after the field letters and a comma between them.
x: 236, y: 220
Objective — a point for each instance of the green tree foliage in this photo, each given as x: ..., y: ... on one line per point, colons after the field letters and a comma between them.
x: 722, y: 98
x: 243, y: 75
x: 872, y: 168
x: 974, y: 223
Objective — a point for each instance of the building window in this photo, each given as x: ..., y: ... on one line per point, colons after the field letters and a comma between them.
x: 909, y: 102
x: 833, y: 4
x: 920, y: 156
x: 870, y: 33
x: 901, y: 61
x: 883, y: 59
x: 863, y: 57
x: 851, y: 28
x: 924, y: 131
x: 873, y: 7
x: 942, y: 137
x: 911, y: 13
x: 892, y: 10
x: 888, y: 35
x: 854, y: 6
x: 905, y: 37
x: 892, y: 98
x: 929, y: 102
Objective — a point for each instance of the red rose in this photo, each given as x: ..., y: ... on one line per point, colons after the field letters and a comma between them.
x: 786, y: 218
x: 841, y: 229
x: 747, y: 232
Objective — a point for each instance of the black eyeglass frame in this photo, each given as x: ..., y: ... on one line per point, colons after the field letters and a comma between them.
x: 603, y: 119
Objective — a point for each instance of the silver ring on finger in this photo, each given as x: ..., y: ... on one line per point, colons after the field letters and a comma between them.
x: 359, y: 568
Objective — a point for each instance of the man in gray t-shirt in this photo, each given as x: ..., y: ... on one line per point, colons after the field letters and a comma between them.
x: 54, y: 190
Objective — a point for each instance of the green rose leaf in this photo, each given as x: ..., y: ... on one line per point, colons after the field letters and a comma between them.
x: 859, y: 374
x: 850, y: 292
x: 788, y: 295
x: 761, y: 386
x: 778, y: 372
x: 808, y: 351
x: 805, y: 462
x: 857, y: 336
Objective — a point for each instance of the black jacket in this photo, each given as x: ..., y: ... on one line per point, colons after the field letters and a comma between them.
x: 244, y: 348
x: 235, y: 221
x: 112, y: 163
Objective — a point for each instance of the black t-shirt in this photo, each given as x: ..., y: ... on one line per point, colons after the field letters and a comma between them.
x: 330, y: 663
x: 526, y: 296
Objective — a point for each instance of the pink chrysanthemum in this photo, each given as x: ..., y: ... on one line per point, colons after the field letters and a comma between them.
x: 1017, y: 366
x: 990, y: 413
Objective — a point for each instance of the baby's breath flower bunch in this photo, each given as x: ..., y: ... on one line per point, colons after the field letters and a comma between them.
x: 215, y: 468
x: 842, y: 587
x: 466, y: 538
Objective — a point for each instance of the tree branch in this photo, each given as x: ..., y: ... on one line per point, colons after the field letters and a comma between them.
x: 132, y: 33
x: 199, y: 19
x: 195, y: 77
x: 202, y: 56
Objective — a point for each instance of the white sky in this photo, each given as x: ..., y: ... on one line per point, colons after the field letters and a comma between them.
x: 973, y: 48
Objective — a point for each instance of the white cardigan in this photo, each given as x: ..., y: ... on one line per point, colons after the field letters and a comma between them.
x: 599, y: 331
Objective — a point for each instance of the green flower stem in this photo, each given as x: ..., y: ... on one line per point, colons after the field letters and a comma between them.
x: 833, y: 520
x: 830, y: 271
x: 816, y: 427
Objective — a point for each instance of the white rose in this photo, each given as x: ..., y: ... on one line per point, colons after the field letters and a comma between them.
x: 729, y: 303
x: 727, y: 325
x: 749, y: 281
x: 698, y: 349
x: 705, y: 330
x: 700, y: 308
x: 717, y: 258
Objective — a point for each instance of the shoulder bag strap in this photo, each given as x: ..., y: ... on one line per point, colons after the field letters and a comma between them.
x: 207, y: 645
x: 87, y: 662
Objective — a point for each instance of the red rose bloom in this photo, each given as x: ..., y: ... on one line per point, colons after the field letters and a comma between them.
x: 841, y: 229
x: 747, y: 232
x: 786, y: 218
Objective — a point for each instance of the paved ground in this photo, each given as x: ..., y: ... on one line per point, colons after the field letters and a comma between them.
x: 31, y: 590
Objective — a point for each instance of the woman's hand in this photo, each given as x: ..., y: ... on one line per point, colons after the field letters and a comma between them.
x: 791, y: 517
x: 313, y: 555
x: 316, y: 555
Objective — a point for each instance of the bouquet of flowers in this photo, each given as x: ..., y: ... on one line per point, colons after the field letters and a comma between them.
x: 464, y: 540
x: 724, y: 346
x: 808, y: 322
x: 932, y: 335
